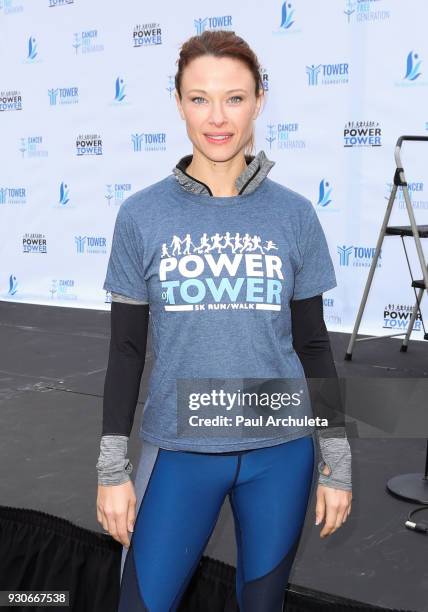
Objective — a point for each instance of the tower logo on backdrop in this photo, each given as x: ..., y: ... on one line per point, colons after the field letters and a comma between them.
x: 63, y: 95
x: 32, y: 146
x: 325, y: 202
x: 87, y: 42
x: 32, y: 51
x: 397, y: 316
x: 412, y: 72
x: 147, y: 35
x: 245, y: 277
x: 362, y: 134
x: 13, y: 285
x: 324, y: 193
x: 119, y: 90
x: 149, y: 141
x: 10, y: 7
x: 116, y: 193
x: 357, y: 256
x: 287, y: 20
x: 284, y: 136
x: 416, y: 195
x: 90, y: 244
x: 223, y: 22
x: 10, y: 100
x: 13, y: 195
x: 328, y: 74
x: 361, y: 11
x: 34, y: 243
x: 63, y: 194
x: 63, y: 289
x: 89, y: 144
x: 413, y: 64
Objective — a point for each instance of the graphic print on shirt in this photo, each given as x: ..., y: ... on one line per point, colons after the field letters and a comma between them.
x: 222, y: 271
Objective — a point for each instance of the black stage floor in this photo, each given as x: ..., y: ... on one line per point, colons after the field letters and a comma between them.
x: 52, y: 368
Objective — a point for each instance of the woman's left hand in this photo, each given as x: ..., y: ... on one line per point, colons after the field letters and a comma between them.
x: 332, y: 504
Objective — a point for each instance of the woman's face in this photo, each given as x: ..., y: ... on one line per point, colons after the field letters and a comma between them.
x: 218, y: 98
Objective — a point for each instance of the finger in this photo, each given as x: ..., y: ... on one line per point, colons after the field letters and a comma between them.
x: 130, y: 521
x: 341, y: 517
x: 104, y: 521
x: 112, y: 529
x: 320, y: 508
x: 330, y: 521
x: 122, y: 531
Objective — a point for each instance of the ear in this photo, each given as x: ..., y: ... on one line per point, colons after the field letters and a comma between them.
x: 180, y: 108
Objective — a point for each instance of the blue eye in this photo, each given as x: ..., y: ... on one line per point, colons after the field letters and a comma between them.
x: 201, y: 98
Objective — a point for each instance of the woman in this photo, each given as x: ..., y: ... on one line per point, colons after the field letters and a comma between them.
x: 232, y: 266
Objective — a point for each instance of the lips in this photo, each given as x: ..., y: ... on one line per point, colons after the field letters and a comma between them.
x: 220, y: 137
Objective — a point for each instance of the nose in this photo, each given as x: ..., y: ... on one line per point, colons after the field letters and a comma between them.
x: 217, y: 114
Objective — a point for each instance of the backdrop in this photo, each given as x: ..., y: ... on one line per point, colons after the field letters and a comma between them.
x: 88, y: 117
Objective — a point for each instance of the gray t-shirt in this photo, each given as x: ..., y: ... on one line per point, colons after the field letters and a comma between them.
x: 219, y: 274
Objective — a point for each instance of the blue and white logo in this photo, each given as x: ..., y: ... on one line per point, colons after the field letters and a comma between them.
x: 412, y: 72
x: 413, y: 64
x: 287, y: 20
x: 362, y: 134
x: 11, y: 7
x: 32, y: 51
x: 285, y: 135
x: 357, y: 256
x: 13, y: 195
x: 149, y: 141
x: 63, y: 95
x: 89, y: 144
x: 90, y: 244
x: 116, y: 193
x: 63, y: 289
x: 119, y: 90
x: 34, y: 243
x: 397, y: 316
x: 324, y: 193
x: 147, y: 35
x: 362, y: 11
x: 416, y: 194
x: 87, y: 42
x: 13, y: 285
x: 223, y: 22
x: 10, y: 101
x: 328, y: 74
x: 32, y: 146
x: 63, y: 194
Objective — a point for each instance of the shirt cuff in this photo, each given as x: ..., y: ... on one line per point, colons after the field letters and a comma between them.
x: 113, y: 466
x: 336, y: 454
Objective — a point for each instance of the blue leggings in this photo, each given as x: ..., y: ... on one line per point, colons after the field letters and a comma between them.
x: 269, y: 489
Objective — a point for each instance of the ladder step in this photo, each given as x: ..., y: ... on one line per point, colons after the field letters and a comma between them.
x: 406, y: 230
x: 420, y: 284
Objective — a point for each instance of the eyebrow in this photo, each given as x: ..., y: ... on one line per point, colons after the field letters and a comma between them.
x: 229, y: 91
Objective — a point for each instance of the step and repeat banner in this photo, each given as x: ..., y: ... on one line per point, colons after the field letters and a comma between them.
x: 88, y: 117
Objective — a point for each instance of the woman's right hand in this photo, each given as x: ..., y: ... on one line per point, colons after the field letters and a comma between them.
x: 116, y: 506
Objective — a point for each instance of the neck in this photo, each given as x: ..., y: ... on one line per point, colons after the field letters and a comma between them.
x: 220, y: 176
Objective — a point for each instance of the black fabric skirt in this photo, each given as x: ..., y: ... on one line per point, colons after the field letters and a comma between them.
x: 42, y: 552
